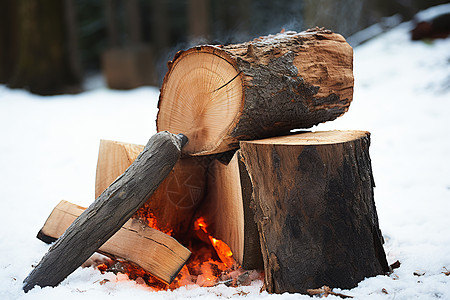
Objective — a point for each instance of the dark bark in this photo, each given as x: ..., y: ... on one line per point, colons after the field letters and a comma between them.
x: 280, y: 94
x: 252, y: 257
x: 316, y: 214
x: 108, y: 213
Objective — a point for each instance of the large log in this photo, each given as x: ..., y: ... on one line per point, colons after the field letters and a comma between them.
x: 172, y: 206
x: 315, y: 210
x: 227, y: 212
x: 156, y: 252
x: 219, y: 95
x: 109, y: 212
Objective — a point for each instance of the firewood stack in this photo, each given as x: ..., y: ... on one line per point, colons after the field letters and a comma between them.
x: 298, y: 205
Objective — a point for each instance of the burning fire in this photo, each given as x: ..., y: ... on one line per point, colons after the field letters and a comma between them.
x: 147, y: 216
x: 222, y: 249
x: 211, y: 262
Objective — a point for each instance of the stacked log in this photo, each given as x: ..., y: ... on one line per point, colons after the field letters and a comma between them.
x: 219, y: 95
x: 298, y: 205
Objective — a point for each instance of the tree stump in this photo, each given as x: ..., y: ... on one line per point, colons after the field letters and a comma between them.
x: 219, y: 95
x: 315, y: 210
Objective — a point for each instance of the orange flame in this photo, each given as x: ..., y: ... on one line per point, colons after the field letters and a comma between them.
x: 149, y: 218
x: 223, y: 250
x: 202, y: 268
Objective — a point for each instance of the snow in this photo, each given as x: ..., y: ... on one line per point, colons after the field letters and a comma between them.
x: 432, y: 12
x: 374, y: 30
x: 49, y: 147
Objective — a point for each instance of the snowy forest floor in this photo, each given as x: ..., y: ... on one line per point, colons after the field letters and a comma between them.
x: 49, y: 147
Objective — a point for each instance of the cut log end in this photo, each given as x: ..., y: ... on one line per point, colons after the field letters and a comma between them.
x: 314, y: 138
x: 201, y: 97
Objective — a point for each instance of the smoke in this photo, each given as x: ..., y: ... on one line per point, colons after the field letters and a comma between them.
x: 236, y: 21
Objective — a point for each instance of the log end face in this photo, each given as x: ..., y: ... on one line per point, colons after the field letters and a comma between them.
x: 201, y: 97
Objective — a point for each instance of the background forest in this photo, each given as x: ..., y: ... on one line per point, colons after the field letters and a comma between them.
x: 51, y: 46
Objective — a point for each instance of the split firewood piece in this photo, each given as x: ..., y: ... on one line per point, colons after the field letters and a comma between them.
x: 219, y: 95
x: 315, y: 210
x: 156, y: 252
x: 172, y: 206
x: 226, y: 209
x: 113, y: 159
x: 109, y: 212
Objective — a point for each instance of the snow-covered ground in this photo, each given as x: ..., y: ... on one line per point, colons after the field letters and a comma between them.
x: 49, y: 145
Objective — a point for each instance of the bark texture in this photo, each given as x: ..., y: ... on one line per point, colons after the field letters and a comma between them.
x: 292, y: 81
x: 315, y: 210
x: 155, y: 252
x: 286, y: 81
x: 106, y: 215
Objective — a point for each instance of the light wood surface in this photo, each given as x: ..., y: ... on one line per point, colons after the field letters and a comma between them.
x: 156, y: 252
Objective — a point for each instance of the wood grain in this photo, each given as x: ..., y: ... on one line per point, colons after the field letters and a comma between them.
x: 109, y: 212
x: 226, y: 210
x: 173, y: 204
x: 156, y: 252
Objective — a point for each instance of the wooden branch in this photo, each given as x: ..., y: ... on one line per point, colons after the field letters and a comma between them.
x: 108, y: 213
x: 315, y: 210
x: 173, y: 204
x: 219, y: 95
x: 156, y: 252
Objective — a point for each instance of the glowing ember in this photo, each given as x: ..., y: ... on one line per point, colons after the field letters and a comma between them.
x: 147, y: 216
x: 211, y: 262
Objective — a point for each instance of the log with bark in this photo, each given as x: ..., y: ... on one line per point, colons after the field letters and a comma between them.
x: 315, y: 210
x: 226, y: 209
x: 172, y: 206
x: 219, y: 95
x: 155, y: 252
x: 109, y: 212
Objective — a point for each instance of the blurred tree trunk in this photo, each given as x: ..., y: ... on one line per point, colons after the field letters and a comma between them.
x: 8, y: 40
x: 160, y: 27
x: 111, y: 23
x: 198, y: 15
x: 133, y: 20
x: 73, y: 48
x: 43, y: 65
